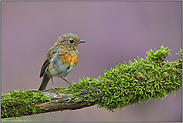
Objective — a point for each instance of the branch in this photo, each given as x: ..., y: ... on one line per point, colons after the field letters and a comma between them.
x: 59, y: 102
x: 126, y: 84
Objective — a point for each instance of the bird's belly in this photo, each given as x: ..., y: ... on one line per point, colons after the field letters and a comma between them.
x: 59, y: 69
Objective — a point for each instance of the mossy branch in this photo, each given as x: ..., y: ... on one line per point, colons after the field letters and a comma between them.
x: 126, y: 84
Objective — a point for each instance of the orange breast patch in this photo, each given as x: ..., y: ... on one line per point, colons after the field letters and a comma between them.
x: 66, y: 59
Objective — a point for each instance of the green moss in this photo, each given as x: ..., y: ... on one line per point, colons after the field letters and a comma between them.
x: 20, y: 102
x: 127, y: 84
x: 132, y: 83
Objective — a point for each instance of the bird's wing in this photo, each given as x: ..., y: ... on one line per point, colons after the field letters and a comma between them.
x: 50, y: 54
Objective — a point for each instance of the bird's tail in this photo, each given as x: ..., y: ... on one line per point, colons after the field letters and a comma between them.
x: 44, y: 82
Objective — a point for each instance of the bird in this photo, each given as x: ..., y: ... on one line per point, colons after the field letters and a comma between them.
x: 61, y: 59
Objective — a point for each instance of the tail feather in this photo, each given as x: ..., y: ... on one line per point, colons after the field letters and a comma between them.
x: 44, y: 82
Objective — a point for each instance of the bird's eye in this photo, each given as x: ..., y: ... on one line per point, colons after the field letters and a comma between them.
x: 71, y: 41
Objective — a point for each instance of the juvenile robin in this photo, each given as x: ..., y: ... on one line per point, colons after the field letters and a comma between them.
x: 61, y: 59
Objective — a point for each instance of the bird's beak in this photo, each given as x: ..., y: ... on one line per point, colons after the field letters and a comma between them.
x: 82, y: 41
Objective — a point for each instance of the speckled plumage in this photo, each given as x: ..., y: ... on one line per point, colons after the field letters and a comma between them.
x: 61, y: 58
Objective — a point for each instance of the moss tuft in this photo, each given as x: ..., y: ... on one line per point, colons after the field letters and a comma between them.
x: 20, y: 102
x: 133, y: 83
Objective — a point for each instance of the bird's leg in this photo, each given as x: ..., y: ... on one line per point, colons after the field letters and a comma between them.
x: 66, y: 81
x: 53, y: 86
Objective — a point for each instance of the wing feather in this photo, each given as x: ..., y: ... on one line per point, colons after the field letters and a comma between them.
x: 50, y: 54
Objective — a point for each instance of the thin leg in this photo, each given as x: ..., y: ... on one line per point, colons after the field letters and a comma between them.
x: 66, y: 81
x: 53, y: 86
